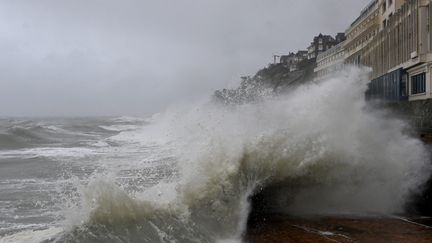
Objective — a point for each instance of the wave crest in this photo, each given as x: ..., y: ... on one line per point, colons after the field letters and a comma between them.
x: 320, y: 148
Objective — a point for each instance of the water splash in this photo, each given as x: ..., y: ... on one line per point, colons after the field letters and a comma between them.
x: 320, y: 143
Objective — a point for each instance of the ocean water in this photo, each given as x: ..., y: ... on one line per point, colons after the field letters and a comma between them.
x: 186, y: 174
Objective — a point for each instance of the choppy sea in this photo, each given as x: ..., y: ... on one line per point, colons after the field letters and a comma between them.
x: 187, y: 174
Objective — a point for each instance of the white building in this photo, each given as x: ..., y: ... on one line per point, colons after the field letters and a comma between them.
x: 330, y: 61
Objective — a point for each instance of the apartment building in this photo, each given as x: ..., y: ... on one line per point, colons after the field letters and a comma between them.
x: 388, y: 8
x: 401, y: 54
x: 362, y: 31
x: 293, y: 59
x: 394, y: 38
x: 373, y: 19
x: 320, y: 44
x: 330, y: 61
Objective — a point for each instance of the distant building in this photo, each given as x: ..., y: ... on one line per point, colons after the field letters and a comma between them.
x: 322, y: 43
x: 330, y: 61
x: 340, y: 37
x: 292, y: 59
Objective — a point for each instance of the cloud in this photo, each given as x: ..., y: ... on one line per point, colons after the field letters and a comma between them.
x: 109, y: 57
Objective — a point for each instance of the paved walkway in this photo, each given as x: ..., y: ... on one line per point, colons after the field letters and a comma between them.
x: 332, y: 229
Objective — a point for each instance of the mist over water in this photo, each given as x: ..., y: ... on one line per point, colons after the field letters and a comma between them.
x: 186, y: 175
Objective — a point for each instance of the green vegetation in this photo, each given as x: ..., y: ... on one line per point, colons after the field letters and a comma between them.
x: 274, y: 79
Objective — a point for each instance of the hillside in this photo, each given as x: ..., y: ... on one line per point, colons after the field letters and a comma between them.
x: 274, y: 79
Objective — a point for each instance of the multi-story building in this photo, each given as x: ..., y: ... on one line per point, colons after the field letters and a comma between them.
x: 400, y: 54
x: 330, y: 61
x: 388, y: 8
x: 356, y: 37
x: 292, y: 59
x: 394, y: 38
x: 373, y: 19
x: 340, y: 37
x: 320, y: 44
x: 362, y: 31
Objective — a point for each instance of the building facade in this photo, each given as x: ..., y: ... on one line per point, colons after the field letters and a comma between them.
x: 394, y: 38
x: 320, y: 44
x: 400, y: 55
x: 388, y: 8
x: 362, y: 31
x: 330, y: 61
x: 292, y: 59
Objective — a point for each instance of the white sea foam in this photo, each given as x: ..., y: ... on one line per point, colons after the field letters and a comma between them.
x: 119, y: 128
x: 54, y: 152
x: 128, y: 119
x: 320, y: 142
x: 33, y: 236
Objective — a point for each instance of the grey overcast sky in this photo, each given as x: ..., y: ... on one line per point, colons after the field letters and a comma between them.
x: 135, y: 57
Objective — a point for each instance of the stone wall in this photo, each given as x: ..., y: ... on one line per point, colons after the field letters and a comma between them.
x: 418, y: 114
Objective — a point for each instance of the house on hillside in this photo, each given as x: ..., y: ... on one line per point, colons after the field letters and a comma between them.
x: 292, y: 59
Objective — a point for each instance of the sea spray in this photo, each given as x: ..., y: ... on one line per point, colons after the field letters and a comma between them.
x: 319, y: 143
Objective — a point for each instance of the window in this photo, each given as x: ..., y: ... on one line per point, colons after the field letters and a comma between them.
x: 384, y: 6
x: 404, y: 85
x: 390, y: 2
x: 418, y: 83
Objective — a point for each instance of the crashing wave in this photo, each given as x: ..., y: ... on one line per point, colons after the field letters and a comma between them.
x: 320, y: 144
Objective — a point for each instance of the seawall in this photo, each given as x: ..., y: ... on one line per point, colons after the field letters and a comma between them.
x: 418, y: 114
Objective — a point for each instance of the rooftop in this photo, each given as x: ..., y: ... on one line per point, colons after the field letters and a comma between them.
x: 371, y: 6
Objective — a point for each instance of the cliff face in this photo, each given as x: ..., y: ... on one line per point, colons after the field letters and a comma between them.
x: 274, y: 79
